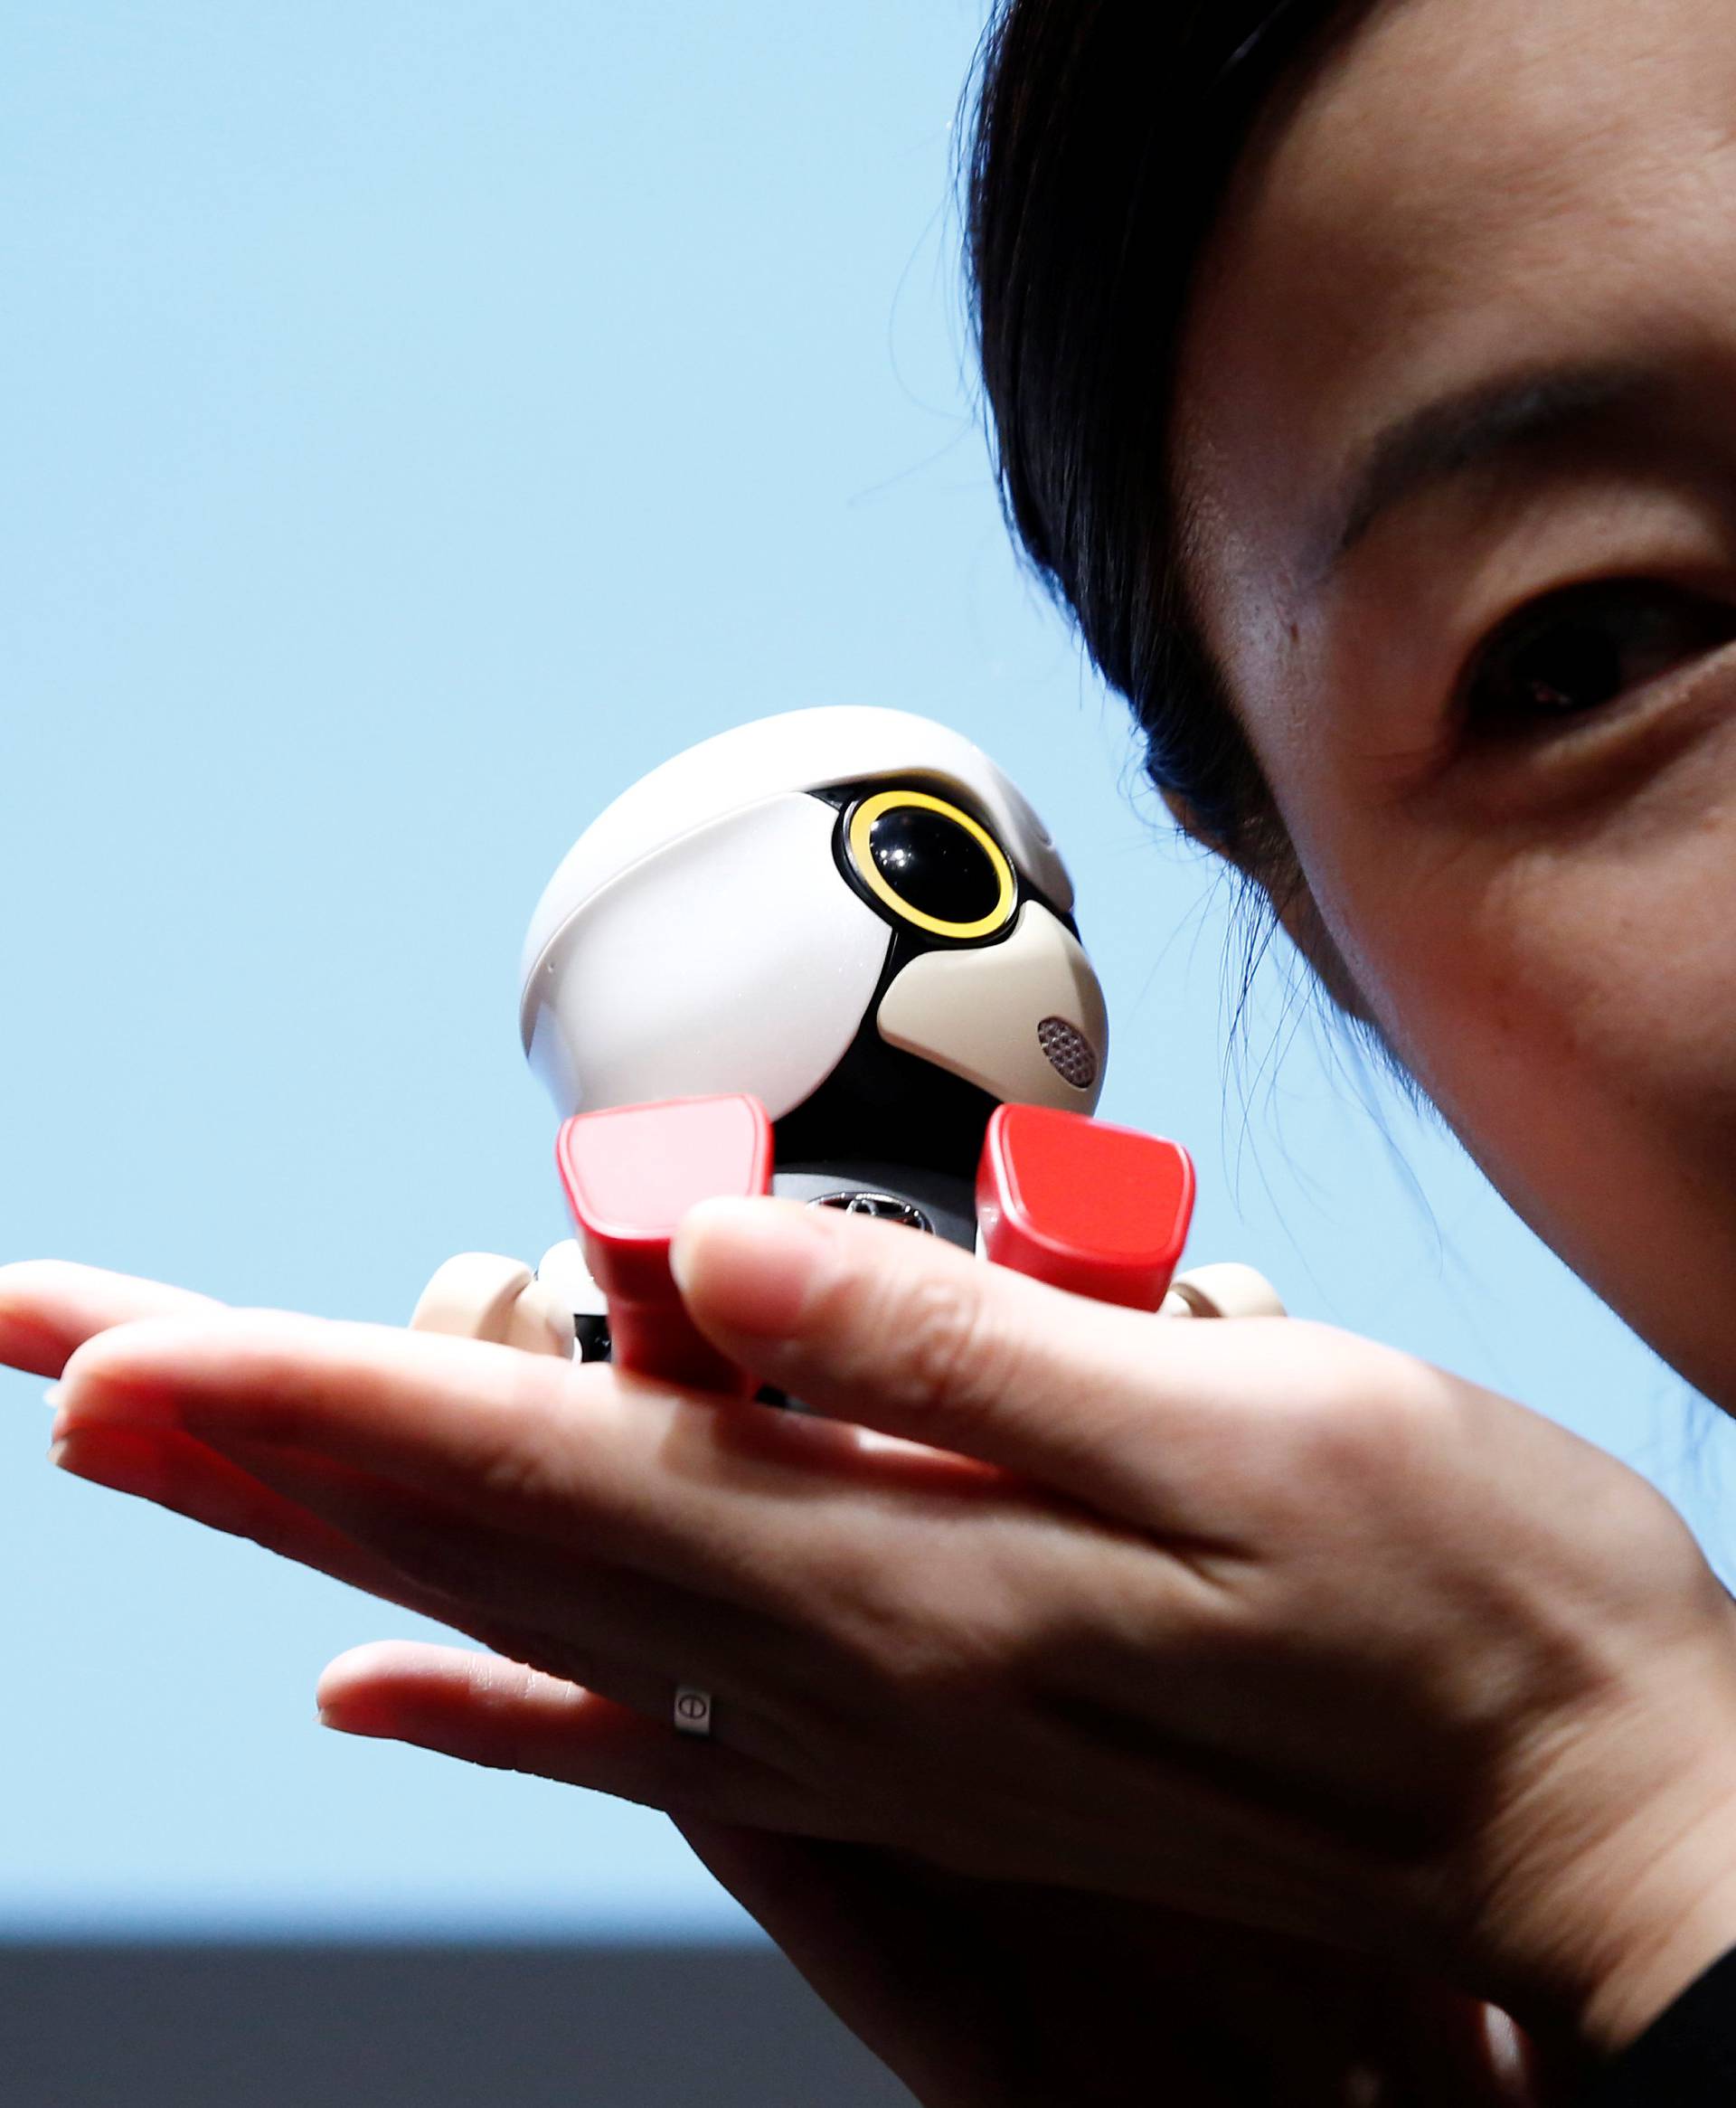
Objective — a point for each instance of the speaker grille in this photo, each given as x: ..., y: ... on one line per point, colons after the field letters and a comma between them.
x: 1068, y: 1051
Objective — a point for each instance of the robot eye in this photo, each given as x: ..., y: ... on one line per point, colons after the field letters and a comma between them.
x: 932, y: 863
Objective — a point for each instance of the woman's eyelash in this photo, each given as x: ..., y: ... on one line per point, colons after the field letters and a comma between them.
x: 1584, y: 648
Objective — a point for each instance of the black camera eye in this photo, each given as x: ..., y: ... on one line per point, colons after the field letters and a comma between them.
x: 932, y: 863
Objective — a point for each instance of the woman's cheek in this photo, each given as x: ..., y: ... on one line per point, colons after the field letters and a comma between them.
x: 1566, y: 994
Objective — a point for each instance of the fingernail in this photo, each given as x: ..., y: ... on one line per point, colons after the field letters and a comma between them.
x: 98, y: 1399
x: 136, y: 1462
x: 752, y: 1264
x: 363, y: 1728
x: 124, y: 1467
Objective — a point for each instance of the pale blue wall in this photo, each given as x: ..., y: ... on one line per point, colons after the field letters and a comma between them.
x: 416, y: 419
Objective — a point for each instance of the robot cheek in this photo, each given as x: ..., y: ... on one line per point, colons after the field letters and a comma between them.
x: 1023, y: 1019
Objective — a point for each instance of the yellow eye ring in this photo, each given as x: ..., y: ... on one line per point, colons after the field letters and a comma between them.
x: 862, y: 857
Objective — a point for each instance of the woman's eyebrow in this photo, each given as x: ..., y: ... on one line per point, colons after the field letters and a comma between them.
x: 1471, y: 428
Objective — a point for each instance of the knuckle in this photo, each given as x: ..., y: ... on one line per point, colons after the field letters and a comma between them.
x: 947, y: 1357
x: 566, y: 1660
x: 501, y: 1685
x: 514, y: 1472
x: 500, y: 1696
x: 859, y: 1614
x: 520, y: 1459
x: 905, y: 1651
x: 934, y: 1671
x: 1379, y: 1421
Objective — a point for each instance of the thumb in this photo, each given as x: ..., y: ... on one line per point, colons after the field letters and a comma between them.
x: 876, y: 1324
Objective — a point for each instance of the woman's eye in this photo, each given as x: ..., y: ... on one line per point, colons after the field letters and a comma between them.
x: 1584, y: 648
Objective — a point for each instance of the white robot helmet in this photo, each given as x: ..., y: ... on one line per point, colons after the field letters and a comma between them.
x: 851, y: 913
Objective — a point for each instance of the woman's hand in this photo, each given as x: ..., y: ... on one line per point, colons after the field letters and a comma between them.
x: 984, y: 1994
x: 1255, y: 1621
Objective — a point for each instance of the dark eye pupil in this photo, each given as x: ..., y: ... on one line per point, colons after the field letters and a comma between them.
x: 1574, y: 668
x: 934, y: 865
x: 1587, y: 647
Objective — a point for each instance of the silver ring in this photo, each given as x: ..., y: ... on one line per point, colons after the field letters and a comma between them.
x: 692, y: 1710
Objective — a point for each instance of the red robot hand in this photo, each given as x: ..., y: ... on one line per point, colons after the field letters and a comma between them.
x: 1100, y: 1211
x: 630, y: 1174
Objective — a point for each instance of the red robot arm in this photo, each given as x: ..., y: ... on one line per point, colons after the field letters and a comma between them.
x: 1100, y: 1211
x: 630, y: 1174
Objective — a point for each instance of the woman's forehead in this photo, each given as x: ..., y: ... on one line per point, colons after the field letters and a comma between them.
x: 1463, y: 191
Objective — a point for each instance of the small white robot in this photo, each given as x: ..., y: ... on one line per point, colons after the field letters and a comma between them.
x: 830, y: 955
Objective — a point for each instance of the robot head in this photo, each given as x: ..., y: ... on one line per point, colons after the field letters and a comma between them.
x: 850, y: 913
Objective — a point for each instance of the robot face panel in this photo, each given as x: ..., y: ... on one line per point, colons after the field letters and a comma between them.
x: 930, y: 865
x: 1023, y: 1020
x: 986, y: 980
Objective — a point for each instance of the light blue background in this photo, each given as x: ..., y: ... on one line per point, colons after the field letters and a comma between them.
x: 418, y: 421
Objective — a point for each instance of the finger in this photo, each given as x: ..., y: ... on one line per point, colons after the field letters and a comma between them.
x: 628, y: 1636
x: 488, y: 1711
x: 699, y: 1492
x: 910, y: 1336
x: 49, y: 1308
x: 174, y: 1472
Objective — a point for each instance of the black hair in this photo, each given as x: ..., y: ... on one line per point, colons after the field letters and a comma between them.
x: 1104, y: 135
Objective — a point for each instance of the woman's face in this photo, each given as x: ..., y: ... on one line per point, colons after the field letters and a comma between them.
x: 1456, y: 423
